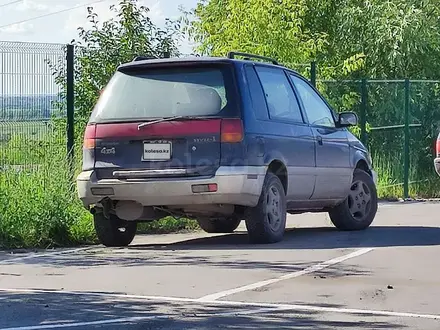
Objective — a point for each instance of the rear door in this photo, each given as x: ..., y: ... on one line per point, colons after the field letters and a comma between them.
x: 286, y: 135
x: 162, y: 122
x: 334, y: 170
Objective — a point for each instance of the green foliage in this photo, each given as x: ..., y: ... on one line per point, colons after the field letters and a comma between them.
x: 168, y: 225
x: 348, y: 38
x: 270, y: 28
x: 39, y: 207
x: 395, y: 38
x: 30, y: 143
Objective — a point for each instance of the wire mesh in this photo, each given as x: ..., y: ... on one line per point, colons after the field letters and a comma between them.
x: 31, y: 106
x: 385, y: 118
x: 33, y: 115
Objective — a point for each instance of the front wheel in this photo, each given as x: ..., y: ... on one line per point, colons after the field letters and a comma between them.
x: 114, y: 232
x: 266, y: 222
x: 357, y: 212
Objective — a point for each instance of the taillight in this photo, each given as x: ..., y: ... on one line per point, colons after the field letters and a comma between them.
x: 231, y: 130
x: 90, y: 137
x: 437, y: 147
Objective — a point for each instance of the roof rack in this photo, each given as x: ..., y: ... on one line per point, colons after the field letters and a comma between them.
x: 144, y: 58
x: 247, y: 56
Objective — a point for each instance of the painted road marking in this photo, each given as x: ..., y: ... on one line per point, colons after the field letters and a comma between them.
x: 308, y: 270
x: 285, y: 307
x: 140, y: 319
x: 83, y: 324
x: 42, y: 255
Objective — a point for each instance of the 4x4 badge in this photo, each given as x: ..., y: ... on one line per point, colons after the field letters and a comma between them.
x: 110, y: 151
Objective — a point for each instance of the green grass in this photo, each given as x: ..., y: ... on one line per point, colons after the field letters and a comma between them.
x: 168, y: 225
x: 423, y: 184
x: 36, y: 129
x: 40, y: 208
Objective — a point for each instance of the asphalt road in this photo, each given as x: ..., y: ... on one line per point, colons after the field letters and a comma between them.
x: 318, y: 278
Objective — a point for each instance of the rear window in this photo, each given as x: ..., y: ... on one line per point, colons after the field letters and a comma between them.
x: 159, y: 93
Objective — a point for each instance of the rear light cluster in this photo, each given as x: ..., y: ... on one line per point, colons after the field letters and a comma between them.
x: 437, y: 147
x: 90, y: 137
x: 231, y: 130
x: 204, y: 188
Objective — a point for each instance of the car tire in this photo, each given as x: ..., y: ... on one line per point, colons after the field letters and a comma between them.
x: 266, y: 222
x: 359, y: 209
x: 219, y: 226
x: 114, y: 232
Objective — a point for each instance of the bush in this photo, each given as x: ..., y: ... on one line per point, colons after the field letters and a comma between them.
x: 39, y: 207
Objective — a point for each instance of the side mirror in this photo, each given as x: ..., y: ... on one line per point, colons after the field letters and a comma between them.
x: 347, y: 119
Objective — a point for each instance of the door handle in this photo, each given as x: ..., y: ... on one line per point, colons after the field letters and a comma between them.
x: 319, y: 138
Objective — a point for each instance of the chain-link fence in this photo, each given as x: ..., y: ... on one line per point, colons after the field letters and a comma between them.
x: 399, y: 123
x: 399, y: 118
x: 32, y: 113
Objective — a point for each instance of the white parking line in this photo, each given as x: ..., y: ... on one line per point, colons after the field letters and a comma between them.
x: 308, y: 270
x: 142, y: 318
x: 83, y: 324
x: 48, y: 254
x: 311, y: 308
x: 260, y: 308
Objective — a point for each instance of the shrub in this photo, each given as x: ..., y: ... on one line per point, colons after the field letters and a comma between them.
x: 39, y: 206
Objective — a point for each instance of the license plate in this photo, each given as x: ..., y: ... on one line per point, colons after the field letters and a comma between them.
x: 156, y: 151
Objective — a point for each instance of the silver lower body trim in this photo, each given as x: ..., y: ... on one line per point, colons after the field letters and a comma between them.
x: 237, y: 185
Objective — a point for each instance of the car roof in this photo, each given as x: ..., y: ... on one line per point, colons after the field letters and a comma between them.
x: 191, y: 60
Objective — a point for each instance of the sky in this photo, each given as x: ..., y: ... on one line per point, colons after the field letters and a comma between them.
x: 24, y: 71
x: 62, y: 27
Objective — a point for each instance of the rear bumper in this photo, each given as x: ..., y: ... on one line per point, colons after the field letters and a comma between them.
x: 437, y: 165
x: 375, y: 176
x: 240, y: 185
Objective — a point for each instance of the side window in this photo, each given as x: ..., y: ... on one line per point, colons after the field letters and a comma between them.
x: 256, y: 94
x: 317, y: 111
x: 281, y: 99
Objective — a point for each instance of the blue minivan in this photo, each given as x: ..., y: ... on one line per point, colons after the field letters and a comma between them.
x: 220, y: 140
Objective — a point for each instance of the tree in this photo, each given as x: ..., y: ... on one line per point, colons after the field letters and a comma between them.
x: 392, y: 39
x: 270, y: 28
x: 100, y: 49
x: 349, y: 38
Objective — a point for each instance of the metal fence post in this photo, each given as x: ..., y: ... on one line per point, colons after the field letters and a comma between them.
x: 70, y: 106
x: 364, y: 105
x: 406, y: 147
x: 313, y: 73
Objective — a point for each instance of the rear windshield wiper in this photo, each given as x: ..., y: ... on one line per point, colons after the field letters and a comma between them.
x: 168, y: 119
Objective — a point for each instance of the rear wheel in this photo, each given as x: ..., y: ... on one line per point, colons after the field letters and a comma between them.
x: 114, y: 232
x: 266, y: 222
x: 357, y: 212
x: 219, y: 226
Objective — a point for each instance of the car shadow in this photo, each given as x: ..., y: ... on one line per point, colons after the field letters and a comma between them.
x: 234, y: 249
x: 36, y: 309
x: 315, y: 238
